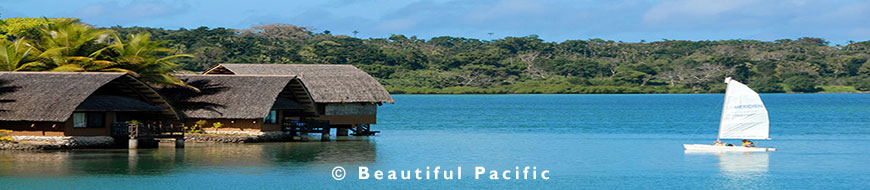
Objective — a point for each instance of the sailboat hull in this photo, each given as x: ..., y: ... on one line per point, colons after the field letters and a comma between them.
x: 712, y: 148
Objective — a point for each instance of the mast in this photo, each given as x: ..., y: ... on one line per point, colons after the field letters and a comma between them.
x: 724, y: 103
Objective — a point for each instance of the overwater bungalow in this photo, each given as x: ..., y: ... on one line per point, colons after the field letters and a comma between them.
x: 256, y: 105
x: 344, y: 95
x: 54, y: 106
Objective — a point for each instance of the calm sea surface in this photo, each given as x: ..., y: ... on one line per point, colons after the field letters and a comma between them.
x: 585, y: 141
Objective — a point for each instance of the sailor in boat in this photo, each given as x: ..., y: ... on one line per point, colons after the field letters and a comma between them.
x: 747, y: 143
x: 718, y: 143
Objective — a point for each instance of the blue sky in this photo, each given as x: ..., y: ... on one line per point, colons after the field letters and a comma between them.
x: 557, y: 20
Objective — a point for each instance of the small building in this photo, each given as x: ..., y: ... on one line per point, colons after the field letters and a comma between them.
x: 344, y: 95
x: 37, y: 105
x: 242, y: 104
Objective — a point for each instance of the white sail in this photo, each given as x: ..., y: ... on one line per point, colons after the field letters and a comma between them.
x: 744, y: 116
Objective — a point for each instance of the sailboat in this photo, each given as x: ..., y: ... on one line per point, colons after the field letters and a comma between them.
x: 744, y: 116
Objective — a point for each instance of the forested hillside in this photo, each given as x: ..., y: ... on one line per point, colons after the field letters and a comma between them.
x: 531, y: 65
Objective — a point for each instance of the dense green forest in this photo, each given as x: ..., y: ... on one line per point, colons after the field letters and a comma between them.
x: 529, y: 64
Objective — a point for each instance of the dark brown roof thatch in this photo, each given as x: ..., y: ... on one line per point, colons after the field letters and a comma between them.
x: 115, y: 103
x: 288, y: 104
x: 327, y: 83
x: 53, y: 96
x: 227, y: 96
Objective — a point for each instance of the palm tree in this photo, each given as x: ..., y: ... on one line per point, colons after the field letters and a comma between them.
x: 78, y: 47
x: 149, y: 60
x: 70, y: 46
x: 17, y: 55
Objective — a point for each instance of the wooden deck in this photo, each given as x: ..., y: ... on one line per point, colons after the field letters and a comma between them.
x: 147, y: 135
x: 148, y: 130
x: 363, y: 130
x: 306, y: 127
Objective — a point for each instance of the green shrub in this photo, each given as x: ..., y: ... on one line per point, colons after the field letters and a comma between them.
x: 766, y: 85
x: 801, y: 84
x: 863, y: 85
x: 197, y: 127
x: 837, y: 88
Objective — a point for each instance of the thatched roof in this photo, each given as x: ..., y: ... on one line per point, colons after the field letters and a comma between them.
x: 115, y: 103
x: 288, y: 104
x: 227, y: 96
x: 327, y: 83
x: 53, y: 96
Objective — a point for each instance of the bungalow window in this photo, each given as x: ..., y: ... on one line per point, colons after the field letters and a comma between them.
x: 89, y: 119
x: 79, y: 120
x: 96, y: 119
x: 272, y: 117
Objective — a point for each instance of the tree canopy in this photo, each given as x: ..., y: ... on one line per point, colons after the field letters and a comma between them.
x: 524, y: 64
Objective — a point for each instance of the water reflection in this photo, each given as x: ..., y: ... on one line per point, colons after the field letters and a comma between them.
x: 742, y: 163
x: 196, y: 156
x: 744, y: 170
x: 740, y: 170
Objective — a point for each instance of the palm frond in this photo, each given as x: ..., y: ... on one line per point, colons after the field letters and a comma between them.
x: 29, y: 65
x: 69, y: 68
x: 104, y: 63
x: 121, y: 70
x: 173, y: 57
x: 100, y: 51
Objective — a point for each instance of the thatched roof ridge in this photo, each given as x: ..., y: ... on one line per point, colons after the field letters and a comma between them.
x: 328, y: 83
x: 48, y: 96
x: 228, y: 96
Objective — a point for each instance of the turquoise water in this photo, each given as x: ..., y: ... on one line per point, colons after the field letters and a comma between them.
x: 585, y: 141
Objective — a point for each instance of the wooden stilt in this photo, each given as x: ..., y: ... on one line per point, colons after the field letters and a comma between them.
x: 179, y: 142
x: 133, y: 144
x: 341, y: 132
x: 325, y: 134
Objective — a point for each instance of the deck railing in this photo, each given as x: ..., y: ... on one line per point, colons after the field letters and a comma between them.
x: 304, y: 125
x: 363, y: 130
x: 143, y: 130
x: 119, y: 129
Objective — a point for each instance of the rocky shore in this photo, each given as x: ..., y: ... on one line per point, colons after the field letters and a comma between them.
x: 48, y: 143
x: 238, y: 137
